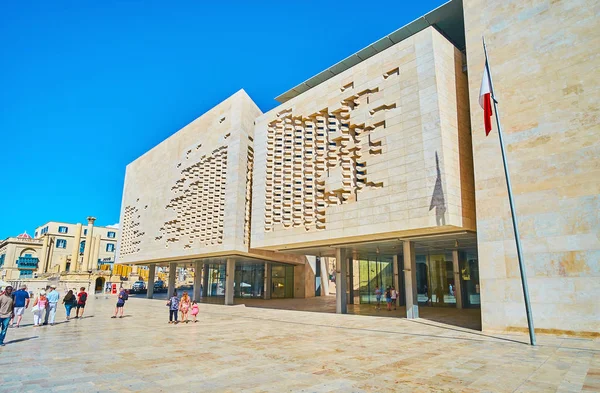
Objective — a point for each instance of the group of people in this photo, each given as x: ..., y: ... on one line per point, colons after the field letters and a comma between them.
x: 183, y: 305
x: 390, y: 297
x: 45, y: 303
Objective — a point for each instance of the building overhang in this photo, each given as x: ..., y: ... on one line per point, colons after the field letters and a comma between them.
x: 385, y: 246
x: 254, y: 256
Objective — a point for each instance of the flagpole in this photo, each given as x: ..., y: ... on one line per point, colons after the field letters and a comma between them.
x: 512, y: 206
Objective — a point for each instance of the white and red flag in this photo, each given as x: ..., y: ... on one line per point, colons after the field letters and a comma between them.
x: 485, y: 99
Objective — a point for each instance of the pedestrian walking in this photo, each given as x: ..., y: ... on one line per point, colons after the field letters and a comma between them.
x: 388, y: 298
x: 378, y: 296
x: 184, y: 306
x: 21, y: 302
x: 123, y: 297
x: 70, y: 301
x: 53, y: 297
x: 195, y: 311
x: 7, y: 306
x: 40, y: 304
x: 394, y: 297
x: 81, y: 300
x: 173, y: 304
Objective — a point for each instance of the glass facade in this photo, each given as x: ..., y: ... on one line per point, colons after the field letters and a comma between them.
x: 372, y: 274
x: 469, y: 272
x: 249, y: 281
x: 435, y: 280
x: 282, y: 281
x: 436, y: 285
x: 216, y: 280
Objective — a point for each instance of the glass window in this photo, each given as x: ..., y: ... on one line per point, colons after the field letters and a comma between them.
x: 62, y: 229
x: 249, y: 280
x: 374, y: 274
x: 282, y: 281
x: 435, y: 279
x: 82, y: 247
x: 469, y: 273
x: 85, y: 232
x: 111, y: 235
x: 216, y: 280
x: 61, y: 243
x: 110, y: 247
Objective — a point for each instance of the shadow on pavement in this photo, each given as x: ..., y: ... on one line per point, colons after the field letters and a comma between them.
x: 21, y: 339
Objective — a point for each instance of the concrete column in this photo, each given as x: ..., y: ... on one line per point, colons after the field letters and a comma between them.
x: 341, y: 306
x: 410, y: 280
x: 324, y: 277
x: 396, y: 279
x: 172, y: 277
x: 197, y: 281
x: 75, y: 248
x: 229, y: 281
x: 205, y: 272
x: 93, y: 265
x: 268, y: 281
x: 87, y: 251
x: 350, y: 263
x: 44, y: 254
x: 151, y: 277
x: 457, y: 283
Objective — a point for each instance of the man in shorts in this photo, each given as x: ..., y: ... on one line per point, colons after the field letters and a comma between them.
x: 81, y: 299
x: 21, y: 299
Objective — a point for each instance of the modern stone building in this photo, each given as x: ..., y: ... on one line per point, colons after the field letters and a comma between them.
x: 58, y: 247
x: 197, y: 212
x: 381, y: 162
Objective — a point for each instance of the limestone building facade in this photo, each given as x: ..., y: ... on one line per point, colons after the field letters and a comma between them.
x: 381, y: 150
x: 380, y: 164
x: 197, y: 212
x: 544, y: 62
x: 58, y: 247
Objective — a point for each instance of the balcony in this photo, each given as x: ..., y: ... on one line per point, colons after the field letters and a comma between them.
x: 27, y: 263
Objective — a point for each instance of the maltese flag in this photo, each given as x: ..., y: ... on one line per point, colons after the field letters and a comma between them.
x: 485, y: 99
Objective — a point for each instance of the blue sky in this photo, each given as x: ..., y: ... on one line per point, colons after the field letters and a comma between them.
x: 87, y: 87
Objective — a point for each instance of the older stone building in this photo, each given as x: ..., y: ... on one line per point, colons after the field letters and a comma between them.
x: 381, y: 162
x: 58, y: 247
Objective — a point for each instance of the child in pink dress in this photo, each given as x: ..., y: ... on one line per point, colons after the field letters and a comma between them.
x: 195, y: 310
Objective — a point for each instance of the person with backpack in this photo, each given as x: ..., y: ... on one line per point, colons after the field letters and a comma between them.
x: 173, y: 305
x: 81, y: 299
x: 388, y: 298
x: 70, y: 301
x: 123, y: 297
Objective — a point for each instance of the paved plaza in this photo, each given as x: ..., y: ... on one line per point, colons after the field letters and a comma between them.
x: 251, y: 349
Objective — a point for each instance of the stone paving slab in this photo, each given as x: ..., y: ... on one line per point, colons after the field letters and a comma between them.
x: 247, y: 349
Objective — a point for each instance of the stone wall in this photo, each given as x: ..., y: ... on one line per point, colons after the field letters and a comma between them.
x: 187, y: 196
x: 544, y: 62
x: 379, y: 150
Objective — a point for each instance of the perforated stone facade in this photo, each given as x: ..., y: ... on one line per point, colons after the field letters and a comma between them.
x: 380, y: 150
x: 182, y: 197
